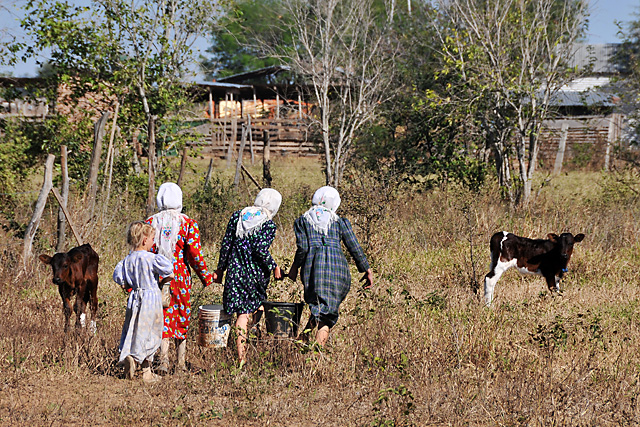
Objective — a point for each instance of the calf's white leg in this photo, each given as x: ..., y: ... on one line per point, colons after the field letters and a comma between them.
x: 492, y: 278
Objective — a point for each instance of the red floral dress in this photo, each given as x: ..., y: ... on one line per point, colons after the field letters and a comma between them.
x: 178, y: 315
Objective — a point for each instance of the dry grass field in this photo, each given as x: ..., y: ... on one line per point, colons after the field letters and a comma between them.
x: 418, y: 349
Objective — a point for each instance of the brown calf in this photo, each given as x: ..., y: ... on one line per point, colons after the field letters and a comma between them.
x: 76, y: 272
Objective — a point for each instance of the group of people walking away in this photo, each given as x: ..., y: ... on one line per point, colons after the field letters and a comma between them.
x: 163, y: 246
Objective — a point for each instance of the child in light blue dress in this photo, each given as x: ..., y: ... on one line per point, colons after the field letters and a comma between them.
x: 140, y: 272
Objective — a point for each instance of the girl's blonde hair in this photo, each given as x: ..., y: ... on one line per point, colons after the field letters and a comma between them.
x: 138, y: 230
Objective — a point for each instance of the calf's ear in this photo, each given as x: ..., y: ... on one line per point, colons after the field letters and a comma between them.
x: 578, y: 237
x: 46, y: 259
x: 552, y: 236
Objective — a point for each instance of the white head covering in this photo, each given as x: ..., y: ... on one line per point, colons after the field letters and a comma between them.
x: 264, y: 208
x: 322, y: 214
x: 169, y: 220
x: 169, y: 197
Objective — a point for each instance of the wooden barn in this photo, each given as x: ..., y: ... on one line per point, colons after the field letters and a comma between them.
x: 588, y: 125
x: 255, y: 106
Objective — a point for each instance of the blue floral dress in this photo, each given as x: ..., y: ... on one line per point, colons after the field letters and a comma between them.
x: 248, y: 264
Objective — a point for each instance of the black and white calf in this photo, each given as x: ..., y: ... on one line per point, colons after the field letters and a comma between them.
x: 544, y: 257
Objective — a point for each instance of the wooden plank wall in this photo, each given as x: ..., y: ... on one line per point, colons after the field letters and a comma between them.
x: 586, y: 143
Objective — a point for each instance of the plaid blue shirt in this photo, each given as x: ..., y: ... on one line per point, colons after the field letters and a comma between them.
x: 325, y: 272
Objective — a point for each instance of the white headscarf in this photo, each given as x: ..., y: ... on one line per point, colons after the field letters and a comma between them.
x: 264, y: 208
x: 322, y: 214
x: 169, y: 220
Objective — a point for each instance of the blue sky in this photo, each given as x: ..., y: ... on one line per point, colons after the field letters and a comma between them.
x: 601, y: 24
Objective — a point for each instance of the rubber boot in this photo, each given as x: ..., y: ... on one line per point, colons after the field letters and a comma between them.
x: 181, y: 350
x: 148, y: 376
x: 163, y: 367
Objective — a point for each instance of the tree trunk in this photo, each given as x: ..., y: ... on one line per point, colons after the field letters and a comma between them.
x: 110, y: 156
x: 151, y: 206
x: 62, y: 224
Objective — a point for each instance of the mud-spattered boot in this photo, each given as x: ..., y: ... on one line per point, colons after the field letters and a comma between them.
x: 148, y: 376
x: 181, y: 350
x: 129, y: 367
x: 163, y: 367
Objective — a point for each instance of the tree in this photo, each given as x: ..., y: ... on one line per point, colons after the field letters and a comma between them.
x: 231, y: 47
x: 514, y: 53
x: 343, y: 52
x: 138, y: 52
x: 428, y: 131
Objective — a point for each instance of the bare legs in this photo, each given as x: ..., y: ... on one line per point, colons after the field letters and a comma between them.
x: 245, y: 322
x: 241, y: 330
x: 322, y: 334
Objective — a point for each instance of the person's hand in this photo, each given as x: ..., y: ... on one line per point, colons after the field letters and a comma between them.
x: 367, y: 278
x: 217, y: 276
x: 166, y: 280
x: 277, y: 273
x: 293, y: 274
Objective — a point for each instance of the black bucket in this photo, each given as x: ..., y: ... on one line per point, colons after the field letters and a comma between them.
x: 282, y: 318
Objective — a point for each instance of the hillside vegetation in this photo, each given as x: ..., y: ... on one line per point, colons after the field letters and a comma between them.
x: 418, y: 349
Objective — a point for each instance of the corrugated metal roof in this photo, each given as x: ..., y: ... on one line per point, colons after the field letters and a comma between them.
x: 583, y: 99
x: 222, y: 85
x: 597, y: 56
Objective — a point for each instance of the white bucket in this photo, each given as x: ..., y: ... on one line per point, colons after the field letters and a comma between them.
x: 214, y: 325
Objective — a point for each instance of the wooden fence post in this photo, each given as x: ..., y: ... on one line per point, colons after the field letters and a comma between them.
x: 68, y: 216
x: 562, y: 144
x: 250, y: 132
x: 65, y: 199
x: 98, y: 136
x: 208, y: 177
x: 266, y: 160
x: 47, y: 185
x: 183, y: 165
x: 243, y: 141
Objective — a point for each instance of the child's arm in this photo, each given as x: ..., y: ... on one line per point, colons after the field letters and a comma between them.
x: 163, y: 267
x: 302, y: 243
x: 354, y: 248
x: 261, y: 246
x: 225, y: 247
x: 367, y: 278
x: 118, y: 277
x: 193, y: 254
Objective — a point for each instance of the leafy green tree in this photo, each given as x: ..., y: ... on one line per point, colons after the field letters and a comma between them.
x: 514, y: 54
x: 428, y: 132
x: 233, y: 48
x: 137, y: 52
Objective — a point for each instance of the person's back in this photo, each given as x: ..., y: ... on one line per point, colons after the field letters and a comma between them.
x: 139, y: 270
x: 325, y: 272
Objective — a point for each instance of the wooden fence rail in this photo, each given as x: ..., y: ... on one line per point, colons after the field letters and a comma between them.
x: 287, y: 136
